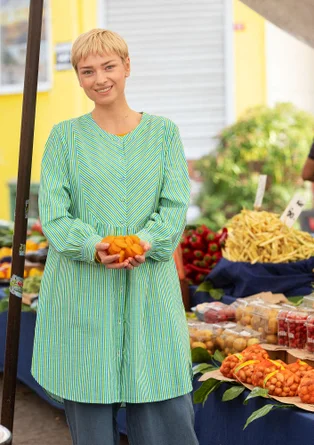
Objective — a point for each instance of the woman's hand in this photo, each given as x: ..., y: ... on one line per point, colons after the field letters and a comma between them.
x: 109, y: 260
x: 138, y: 259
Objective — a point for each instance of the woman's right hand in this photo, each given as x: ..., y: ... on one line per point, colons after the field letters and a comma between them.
x: 109, y: 260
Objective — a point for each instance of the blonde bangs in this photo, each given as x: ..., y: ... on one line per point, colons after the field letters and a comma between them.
x: 98, y: 41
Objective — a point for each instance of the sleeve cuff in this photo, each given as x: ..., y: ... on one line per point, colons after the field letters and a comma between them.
x: 145, y: 236
x: 88, y: 250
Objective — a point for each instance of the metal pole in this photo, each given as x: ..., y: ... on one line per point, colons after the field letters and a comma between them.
x: 21, y: 212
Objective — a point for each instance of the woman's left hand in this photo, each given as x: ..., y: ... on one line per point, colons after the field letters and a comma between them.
x: 138, y: 259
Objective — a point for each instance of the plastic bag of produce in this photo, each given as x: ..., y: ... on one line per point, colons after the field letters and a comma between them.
x: 264, y: 320
x: 201, y: 336
x: 306, y: 388
x: 217, y: 313
x: 237, y: 339
x: 282, y: 383
x: 228, y: 365
x: 300, y: 368
x: 264, y: 368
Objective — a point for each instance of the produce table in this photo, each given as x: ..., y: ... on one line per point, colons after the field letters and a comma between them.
x: 216, y: 423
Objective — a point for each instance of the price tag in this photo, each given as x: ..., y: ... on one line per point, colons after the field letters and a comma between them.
x: 292, y: 212
x: 260, y: 192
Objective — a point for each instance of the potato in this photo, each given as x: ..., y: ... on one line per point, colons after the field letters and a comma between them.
x: 253, y: 341
x: 239, y: 344
x: 271, y: 339
x: 198, y: 344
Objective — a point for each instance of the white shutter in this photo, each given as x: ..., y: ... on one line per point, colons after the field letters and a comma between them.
x: 178, y: 63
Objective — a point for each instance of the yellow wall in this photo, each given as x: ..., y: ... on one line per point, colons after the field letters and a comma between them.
x: 250, y: 58
x: 65, y: 99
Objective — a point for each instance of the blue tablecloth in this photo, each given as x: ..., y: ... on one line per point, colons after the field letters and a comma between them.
x: 216, y: 423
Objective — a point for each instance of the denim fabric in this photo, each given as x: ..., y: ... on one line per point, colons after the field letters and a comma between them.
x: 170, y: 422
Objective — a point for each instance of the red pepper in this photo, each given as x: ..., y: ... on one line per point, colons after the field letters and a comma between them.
x: 216, y: 257
x: 207, y: 258
x: 202, y: 231
x: 223, y: 237
x: 211, y: 236
x: 196, y: 242
x: 213, y: 247
x: 200, y: 278
x: 198, y: 254
x: 199, y: 269
x: 196, y: 263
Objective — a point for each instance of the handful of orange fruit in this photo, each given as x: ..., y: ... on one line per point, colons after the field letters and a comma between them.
x: 126, y: 246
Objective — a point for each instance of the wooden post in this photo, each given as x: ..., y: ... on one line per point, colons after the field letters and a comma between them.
x: 21, y: 212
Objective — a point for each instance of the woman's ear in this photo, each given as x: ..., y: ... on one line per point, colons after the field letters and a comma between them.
x: 127, y: 66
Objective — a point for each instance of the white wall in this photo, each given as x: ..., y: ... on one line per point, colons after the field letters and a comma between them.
x: 289, y: 69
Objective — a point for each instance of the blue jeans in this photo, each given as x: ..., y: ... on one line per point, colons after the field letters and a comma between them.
x: 170, y: 422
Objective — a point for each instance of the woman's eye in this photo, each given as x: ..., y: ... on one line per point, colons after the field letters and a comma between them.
x: 109, y: 67
x: 87, y: 72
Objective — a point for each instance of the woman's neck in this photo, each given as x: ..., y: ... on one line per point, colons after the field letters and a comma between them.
x: 116, y: 120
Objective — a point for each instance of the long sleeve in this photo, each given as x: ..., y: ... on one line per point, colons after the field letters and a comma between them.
x: 67, y: 235
x: 165, y: 226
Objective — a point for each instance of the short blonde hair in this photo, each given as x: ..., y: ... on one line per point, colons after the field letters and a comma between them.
x: 98, y: 41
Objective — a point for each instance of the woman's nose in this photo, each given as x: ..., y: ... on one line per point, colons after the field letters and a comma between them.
x: 101, y: 77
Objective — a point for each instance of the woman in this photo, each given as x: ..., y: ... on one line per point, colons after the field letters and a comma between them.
x: 109, y: 333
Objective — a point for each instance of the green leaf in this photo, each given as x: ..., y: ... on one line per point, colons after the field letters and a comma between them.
x: 202, y: 368
x: 219, y: 356
x: 256, y: 392
x: 206, y: 286
x: 200, y: 355
x: 258, y: 414
x: 232, y: 393
x: 202, y: 393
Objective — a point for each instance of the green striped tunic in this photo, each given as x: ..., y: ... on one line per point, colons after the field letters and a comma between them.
x: 106, y: 336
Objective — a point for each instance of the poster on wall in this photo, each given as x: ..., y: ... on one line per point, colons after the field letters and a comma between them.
x: 13, y: 41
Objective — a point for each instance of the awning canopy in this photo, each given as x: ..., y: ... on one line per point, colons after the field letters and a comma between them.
x: 293, y: 16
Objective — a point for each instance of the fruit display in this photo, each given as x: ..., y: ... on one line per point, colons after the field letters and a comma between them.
x: 201, y: 250
x: 200, y: 309
x: 229, y: 364
x: 31, y: 285
x: 297, y: 329
x: 201, y: 336
x: 236, y: 340
x: 282, y: 383
x: 254, y: 352
x: 300, y: 368
x: 308, y: 301
x: 264, y: 368
x: 310, y: 333
x: 264, y: 320
x: 306, y: 388
x: 244, y: 370
x: 245, y: 311
x: 259, y: 236
x: 282, y: 333
x: 218, y: 312
x: 126, y: 246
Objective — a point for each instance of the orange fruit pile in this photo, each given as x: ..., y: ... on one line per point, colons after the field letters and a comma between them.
x: 126, y: 246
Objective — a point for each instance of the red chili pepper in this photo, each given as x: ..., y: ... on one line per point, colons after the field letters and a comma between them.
x: 213, y: 247
x: 196, y: 242
x: 211, y: 236
x: 196, y: 263
x: 202, y: 230
x: 207, y: 258
x: 216, y: 257
x: 200, y: 278
x: 199, y: 269
x: 198, y: 254
x: 223, y: 237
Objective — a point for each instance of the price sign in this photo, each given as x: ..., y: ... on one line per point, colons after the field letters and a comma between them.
x: 293, y: 210
x: 260, y: 192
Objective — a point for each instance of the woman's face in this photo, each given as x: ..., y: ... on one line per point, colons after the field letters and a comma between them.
x: 103, y: 77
